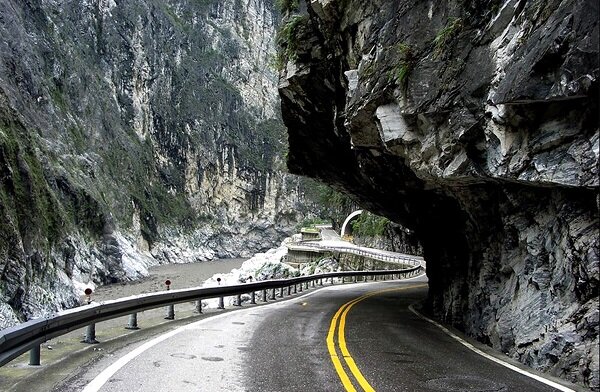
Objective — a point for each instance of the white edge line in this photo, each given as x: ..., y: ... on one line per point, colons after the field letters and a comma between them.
x: 492, y: 358
x: 102, y: 378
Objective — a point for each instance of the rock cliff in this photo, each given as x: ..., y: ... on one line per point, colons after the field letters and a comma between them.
x: 475, y: 125
x: 134, y: 133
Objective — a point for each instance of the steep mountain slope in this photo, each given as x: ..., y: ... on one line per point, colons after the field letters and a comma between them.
x: 133, y: 133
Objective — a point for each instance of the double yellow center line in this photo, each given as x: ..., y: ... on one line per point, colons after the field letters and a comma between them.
x: 340, y: 316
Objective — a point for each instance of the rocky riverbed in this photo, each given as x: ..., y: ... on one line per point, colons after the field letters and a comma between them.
x: 181, y: 276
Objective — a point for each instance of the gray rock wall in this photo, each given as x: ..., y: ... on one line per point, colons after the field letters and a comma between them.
x: 475, y: 124
x: 134, y: 133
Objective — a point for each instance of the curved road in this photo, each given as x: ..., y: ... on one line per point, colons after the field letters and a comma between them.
x: 283, y: 346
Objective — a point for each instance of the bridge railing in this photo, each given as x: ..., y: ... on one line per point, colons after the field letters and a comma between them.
x: 374, y: 254
x: 28, y: 336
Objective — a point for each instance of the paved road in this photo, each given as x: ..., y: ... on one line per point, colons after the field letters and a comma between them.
x: 330, y: 235
x: 282, y: 347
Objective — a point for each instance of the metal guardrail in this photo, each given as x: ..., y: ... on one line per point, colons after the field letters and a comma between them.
x: 366, y: 252
x: 21, y: 338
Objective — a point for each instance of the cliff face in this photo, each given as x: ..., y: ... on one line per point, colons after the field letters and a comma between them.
x: 474, y: 124
x: 134, y: 133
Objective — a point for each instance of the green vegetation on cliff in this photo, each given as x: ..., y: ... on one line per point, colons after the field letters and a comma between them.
x: 369, y: 225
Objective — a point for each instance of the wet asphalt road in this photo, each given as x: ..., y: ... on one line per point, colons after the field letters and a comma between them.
x: 282, y: 347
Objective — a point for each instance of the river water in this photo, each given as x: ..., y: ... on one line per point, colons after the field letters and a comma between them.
x: 180, y: 275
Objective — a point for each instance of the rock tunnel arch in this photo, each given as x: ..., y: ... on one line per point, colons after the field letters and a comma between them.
x: 348, y: 219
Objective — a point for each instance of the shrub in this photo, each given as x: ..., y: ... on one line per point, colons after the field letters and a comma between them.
x: 405, y: 65
x: 287, y: 6
x: 287, y: 39
x: 446, y: 35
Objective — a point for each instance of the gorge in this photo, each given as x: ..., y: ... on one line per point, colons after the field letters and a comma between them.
x: 131, y: 134
x: 143, y: 132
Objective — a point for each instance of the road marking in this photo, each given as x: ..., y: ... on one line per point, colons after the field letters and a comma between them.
x: 492, y: 358
x: 103, y: 377
x: 333, y: 354
x: 345, y: 353
x: 340, y: 315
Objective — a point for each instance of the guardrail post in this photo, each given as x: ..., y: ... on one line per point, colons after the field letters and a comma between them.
x: 313, y: 283
x: 90, y: 334
x: 306, y: 285
x: 295, y: 288
x: 198, y: 306
x: 355, y: 279
x: 132, y: 323
x: 34, y: 356
x: 289, y: 290
x: 170, y: 312
x: 253, y: 297
x: 332, y: 280
x: 281, y: 292
x: 273, y: 294
x: 264, y: 295
x: 238, y: 302
x: 321, y: 282
x: 301, y: 288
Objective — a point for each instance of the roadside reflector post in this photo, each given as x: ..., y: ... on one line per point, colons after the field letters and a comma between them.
x: 34, y: 356
x: 132, y: 323
x: 170, y: 308
x: 88, y: 295
x: 90, y: 330
x: 221, y: 304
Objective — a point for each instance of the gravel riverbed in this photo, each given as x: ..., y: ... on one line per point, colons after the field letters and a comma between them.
x: 180, y: 275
